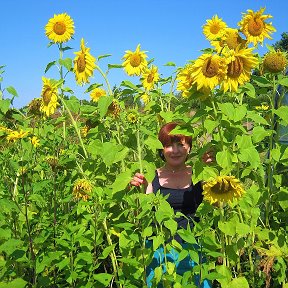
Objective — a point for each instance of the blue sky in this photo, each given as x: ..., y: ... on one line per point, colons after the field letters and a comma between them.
x: 170, y: 31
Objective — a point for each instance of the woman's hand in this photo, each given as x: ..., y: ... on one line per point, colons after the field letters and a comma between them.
x: 138, y: 180
x: 208, y: 157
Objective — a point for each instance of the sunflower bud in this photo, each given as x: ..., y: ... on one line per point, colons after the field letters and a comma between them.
x: 275, y: 61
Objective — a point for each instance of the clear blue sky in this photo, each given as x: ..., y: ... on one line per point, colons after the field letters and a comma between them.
x: 168, y: 30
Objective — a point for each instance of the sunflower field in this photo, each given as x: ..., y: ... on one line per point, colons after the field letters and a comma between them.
x: 68, y: 217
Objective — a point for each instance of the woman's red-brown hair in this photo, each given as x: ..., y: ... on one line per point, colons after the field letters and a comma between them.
x: 166, y: 138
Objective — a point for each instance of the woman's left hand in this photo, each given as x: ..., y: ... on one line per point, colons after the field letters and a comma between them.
x: 208, y: 157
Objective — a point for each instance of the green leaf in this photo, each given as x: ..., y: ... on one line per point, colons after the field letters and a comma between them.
x: 4, y: 105
x: 240, y: 282
x: 224, y: 158
x: 11, y: 90
x: 73, y: 104
x: 258, y: 119
x: 104, y: 56
x: 16, y: 283
x: 49, y: 65
x: 111, y: 66
x: 10, y: 246
x: 103, y: 104
x: 170, y: 64
x: 250, y: 155
x: 261, y: 81
x: 103, y: 278
x: 67, y: 63
x: 283, y: 81
x: 121, y: 182
x: 228, y: 228
x: 153, y: 143
x: 65, y: 262
x: 107, y: 251
x: 171, y: 225
x: 249, y: 89
x: 282, y: 112
x: 260, y: 133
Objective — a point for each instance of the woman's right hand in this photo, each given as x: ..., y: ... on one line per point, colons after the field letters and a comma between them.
x: 138, y: 180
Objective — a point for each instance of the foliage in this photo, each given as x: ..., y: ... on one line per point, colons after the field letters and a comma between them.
x: 51, y: 236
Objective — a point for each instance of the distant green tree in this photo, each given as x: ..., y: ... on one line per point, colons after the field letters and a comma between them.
x: 282, y: 44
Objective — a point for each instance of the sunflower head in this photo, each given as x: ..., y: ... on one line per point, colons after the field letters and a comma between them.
x: 208, y: 71
x: 60, y: 28
x: 34, y: 107
x: 275, y: 61
x: 132, y: 117
x: 134, y: 62
x: 149, y: 77
x: 213, y: 28
x: 53, y: 161
x: 15, y: 135
x: 222, y: 189
x: 114, y: 109
x: 96, y: 93
x: 49, y: 100
x: 35, y: 141
x: 84, y: 64
x: 145, y: 98
x: 254, y: 26
x: 82, y: 189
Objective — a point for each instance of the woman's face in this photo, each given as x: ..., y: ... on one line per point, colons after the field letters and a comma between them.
x: 176, y: 153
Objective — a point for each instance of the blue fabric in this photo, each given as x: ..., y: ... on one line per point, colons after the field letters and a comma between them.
x: 181, y: 266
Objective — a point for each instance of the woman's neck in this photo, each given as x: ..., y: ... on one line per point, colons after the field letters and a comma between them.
x: 174, y: 169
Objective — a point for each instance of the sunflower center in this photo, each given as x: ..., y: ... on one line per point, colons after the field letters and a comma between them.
x: 221, y: 188
x: 135, y: 60
x: 275, y: 62
x: 232, y: 40
x: 59, y: 28
x: 235, y: 68
x: 47, y: 96
x: 150, y: 78
x: 81, y: 63
x: 255, y: 27
x: 214, y: 29
x: 210, y: 67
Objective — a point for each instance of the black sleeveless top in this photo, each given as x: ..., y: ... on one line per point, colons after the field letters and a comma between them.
x: 184, y: 200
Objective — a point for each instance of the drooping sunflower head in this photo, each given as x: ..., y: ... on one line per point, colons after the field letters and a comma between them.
x: 223, y: 189
x: 84, y: 64
x: 49, y: 95
x: 82, y: 189
x: 134, y: 62
x: 209, y: 70
x: 240, y: 65
x: 114, y: 109
x: 150, y: 77
x: 275, y: 61
x: 230, y: 38
x: 213, y: 28
x: 60, y: 28
x: 34, y: 107
x: 185, y: 80
x: 96, y: 93
x: 254, y: 27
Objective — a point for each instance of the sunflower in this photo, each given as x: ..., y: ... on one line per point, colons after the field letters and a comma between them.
x: 49, y: 99
x: 35, y: 141
x: 145, y: 98
x: 132, y: 117
x: 96, y: 93
x: 230, y: 38
x: 254, y: 27
x: 82, y: 189
x: 214, y: 28
x: 209, y: 70
x: 60, y: 28
x: 134, y: 62
x: 222, y: 189
x: 275, y: 61
x: 114, y: 109
x: 185, y: 80
x: 240, y: 65
x: 15, y: 135
x: 150, y: 77
x: 84, y: 64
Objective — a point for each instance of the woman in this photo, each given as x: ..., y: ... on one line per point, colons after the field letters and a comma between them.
x: 174, y: 179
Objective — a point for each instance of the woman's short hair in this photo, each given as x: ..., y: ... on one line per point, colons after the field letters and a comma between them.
x: 167, y: 139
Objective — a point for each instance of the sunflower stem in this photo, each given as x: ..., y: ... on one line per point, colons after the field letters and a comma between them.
x: 106, y: 79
